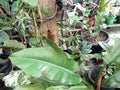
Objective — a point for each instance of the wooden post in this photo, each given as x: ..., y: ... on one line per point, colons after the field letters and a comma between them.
x: 49, y: 28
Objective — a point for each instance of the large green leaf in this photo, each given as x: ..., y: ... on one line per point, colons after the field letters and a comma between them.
x: 77, y: 87
x: 13, y: 44
x: 113, y: 57
x: 3, y: 36
x: 46, y: 62
x: 113, y: 52
x: 32, y: 3
x: 41, y: 86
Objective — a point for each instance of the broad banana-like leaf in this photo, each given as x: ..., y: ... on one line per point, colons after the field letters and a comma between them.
x: 47, y: 63
x: 113, y: 52
x: 41, y: 86
x: 113, y: 57
x: 78, y: 87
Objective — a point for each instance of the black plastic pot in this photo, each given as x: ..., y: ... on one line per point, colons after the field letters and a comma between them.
x: 6, y: 68
x: 96, y: 48
x: 92, y: 75
x: 118, y: 19
x: 103, y: 88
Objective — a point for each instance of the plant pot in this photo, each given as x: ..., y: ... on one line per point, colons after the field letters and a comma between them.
x: 110, y: 20
x: 91, y: 23
x: 6, y: 68
x: 103, y: 88
x: 87, y: 12
x: 96, y: 48
x: 118, y: 19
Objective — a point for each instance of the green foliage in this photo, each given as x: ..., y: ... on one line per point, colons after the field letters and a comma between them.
x: 5, y: 5
x: 77, y: 87
x: 32, y: 3
x: 15, y: 6
x: 49, y: 63
x: 41, y: 86
x: 3, y: 36
x: 113, y: 57
x: 103, y: 5
x: 13, y: 44
x: 104, y: 45
x: 99, y: 25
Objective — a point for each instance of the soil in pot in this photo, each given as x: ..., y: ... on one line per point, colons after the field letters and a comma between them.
x: 96, y: 48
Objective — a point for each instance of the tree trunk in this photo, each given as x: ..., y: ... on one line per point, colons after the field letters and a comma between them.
x: 49, y: 28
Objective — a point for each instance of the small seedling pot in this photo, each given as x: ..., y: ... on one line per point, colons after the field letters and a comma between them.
x: 110, y: 20
x: 87, y: 12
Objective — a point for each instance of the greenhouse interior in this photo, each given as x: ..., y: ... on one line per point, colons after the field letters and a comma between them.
x: 59, y: 44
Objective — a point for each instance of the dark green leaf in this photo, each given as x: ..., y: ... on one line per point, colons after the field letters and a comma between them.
x: 3, y: 36
x: 5, y: 5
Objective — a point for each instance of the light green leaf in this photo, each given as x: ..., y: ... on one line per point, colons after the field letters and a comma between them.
x: 32, y: 3
x: 41, y: 86
x: 104, y: 45
x: 77, y: 87
x: 13, y: 44
x: 47, y: 63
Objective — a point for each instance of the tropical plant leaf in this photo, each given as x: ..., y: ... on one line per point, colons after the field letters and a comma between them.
x: 32, y: 3
x: 113, y: 52
x: 3, y: 36
x: 47, y: 63
x: 50, y: 43
x: 113, y: 57
x: 113, y: 81
x: 13, y: 44
x: 77, y: 87
x: 39, y: 86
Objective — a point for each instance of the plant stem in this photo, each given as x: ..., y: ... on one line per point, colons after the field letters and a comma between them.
x: 39, y: 11
x: 36, y: 28
x: 100, y: 73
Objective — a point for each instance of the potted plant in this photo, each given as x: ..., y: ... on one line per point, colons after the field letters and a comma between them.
x: 94, y: 34
x: 110, y: 18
